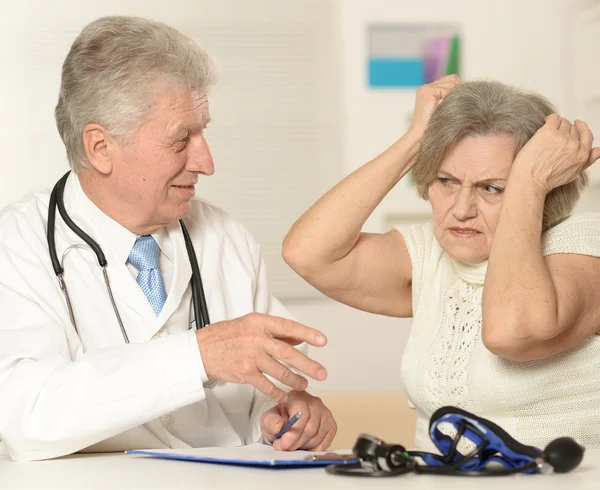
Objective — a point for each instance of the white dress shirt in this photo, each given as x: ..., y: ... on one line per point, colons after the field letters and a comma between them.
x: 122, y: 239
x: 62, y: 392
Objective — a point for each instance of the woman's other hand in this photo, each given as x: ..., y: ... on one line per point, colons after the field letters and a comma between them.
x: 557, y: 153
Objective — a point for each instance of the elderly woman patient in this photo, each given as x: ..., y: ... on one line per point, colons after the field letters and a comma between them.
x: 502, y: 285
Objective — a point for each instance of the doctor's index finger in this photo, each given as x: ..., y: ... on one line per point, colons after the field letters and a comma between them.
x: 283, y: 328
x: 268, y: 388
x: 287, y: 354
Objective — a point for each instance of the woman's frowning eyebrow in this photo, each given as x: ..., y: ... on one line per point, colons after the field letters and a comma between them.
x: 491, y: 180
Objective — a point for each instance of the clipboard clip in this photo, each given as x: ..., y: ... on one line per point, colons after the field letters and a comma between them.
x: 342, y: 458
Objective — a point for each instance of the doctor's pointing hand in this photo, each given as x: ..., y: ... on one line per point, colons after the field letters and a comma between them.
x: 246, y: 349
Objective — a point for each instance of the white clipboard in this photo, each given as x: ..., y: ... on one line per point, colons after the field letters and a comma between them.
x: 260, y: 455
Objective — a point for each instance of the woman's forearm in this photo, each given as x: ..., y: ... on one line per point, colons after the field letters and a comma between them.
x: 519, y: 298
x: 330, y: 228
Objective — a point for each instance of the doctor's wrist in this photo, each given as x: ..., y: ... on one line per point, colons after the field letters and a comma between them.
x: 200, y: 336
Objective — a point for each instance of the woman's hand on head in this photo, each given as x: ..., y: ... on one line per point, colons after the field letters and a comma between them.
x: 558, y: 152
x: 427, y: 98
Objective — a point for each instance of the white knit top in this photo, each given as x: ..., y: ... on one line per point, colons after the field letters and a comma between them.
x: 446, y: 363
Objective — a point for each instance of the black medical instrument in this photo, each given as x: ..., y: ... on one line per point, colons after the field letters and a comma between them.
x: 56, y: 200
x: 469, y: 446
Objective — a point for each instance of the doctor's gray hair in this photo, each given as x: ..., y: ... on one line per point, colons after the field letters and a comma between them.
x: 488, y: 108
x: 112, y: 73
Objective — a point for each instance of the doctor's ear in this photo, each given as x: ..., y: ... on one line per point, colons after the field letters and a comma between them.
x: 97, y: 144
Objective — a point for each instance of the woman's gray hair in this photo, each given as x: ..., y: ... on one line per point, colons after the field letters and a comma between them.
x: 110, y: 77
x: 487, y: 108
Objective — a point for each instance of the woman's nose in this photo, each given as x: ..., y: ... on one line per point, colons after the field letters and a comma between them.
x: 464, y: 206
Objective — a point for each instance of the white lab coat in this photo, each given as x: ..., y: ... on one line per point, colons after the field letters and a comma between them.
x: 61, y: 393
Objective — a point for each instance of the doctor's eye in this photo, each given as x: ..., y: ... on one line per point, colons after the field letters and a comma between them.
x: 180, y: 145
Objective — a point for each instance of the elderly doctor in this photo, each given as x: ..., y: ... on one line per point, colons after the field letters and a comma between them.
x: 121, y: 364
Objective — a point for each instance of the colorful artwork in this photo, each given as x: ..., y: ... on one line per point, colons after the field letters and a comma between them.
x: 407, y: 56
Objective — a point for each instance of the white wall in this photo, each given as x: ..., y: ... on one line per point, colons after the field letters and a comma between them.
x: 363, y: 352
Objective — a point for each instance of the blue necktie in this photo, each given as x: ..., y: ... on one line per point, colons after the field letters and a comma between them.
x: 144, y: 257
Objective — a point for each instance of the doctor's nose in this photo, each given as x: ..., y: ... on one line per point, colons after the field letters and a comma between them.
x: 199, y: 157
x: 464, y: 206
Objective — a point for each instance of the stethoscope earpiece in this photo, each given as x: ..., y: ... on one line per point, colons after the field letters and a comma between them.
x: 380, y: 455
x: 376, y: 458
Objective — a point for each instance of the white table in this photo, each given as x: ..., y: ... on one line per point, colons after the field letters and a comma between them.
x: 121, y: 471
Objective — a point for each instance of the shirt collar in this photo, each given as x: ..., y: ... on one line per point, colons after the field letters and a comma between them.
x: 164, y: 242
x: 110, y: 233
x: 473, y: 272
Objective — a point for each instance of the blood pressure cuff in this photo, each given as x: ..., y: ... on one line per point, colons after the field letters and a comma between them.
x: 471, y: 443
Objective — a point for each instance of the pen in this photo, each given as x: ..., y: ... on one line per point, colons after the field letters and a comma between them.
x: 288, y: 425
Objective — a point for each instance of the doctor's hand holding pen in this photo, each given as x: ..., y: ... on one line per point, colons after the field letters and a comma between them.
x: 246, y: 349
x: 301, y: 421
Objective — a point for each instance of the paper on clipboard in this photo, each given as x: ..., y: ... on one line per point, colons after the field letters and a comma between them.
x: 252, y: 455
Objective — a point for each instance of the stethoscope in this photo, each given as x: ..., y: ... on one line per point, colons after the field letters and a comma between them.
x: 371, y: 456
x: 56, y: 199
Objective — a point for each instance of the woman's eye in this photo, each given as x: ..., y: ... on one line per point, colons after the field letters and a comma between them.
x: 492, y: 189
x: 443, y: 180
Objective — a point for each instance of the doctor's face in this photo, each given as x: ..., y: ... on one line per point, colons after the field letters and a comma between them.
x: 157, y: 171
x: 466, y: 196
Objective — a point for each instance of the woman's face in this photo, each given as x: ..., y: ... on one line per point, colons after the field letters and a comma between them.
x: 466, y: 195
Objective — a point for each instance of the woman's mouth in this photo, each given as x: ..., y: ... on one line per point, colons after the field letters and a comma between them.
x: 464, y: 232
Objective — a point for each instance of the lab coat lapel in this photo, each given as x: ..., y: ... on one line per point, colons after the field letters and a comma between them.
x: 182, y: 273
x: 125, y: 287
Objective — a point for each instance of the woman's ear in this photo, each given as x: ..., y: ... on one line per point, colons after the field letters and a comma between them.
x: 97, y: 144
